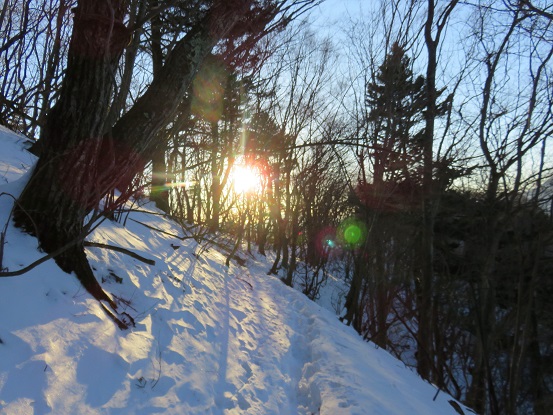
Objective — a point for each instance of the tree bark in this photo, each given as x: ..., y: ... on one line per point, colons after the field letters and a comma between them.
x: 65, y: 184
x: 159, y: 193
x: 433, y: 29
x: 216, y: 188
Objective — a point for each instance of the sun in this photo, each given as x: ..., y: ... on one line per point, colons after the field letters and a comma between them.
x: 245, y: 179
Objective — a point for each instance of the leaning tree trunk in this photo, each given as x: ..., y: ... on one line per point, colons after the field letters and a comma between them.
x: 80, y: 163
x: 64, y: 185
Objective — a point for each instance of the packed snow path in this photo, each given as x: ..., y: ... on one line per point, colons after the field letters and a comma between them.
x: 208, y: 339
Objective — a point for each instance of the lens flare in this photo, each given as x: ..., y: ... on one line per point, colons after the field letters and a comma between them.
x: 325, y: 240
x: 208, y: 91
x: 352, y: 233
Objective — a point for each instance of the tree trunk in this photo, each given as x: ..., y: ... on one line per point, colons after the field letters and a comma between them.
x: 277, y: 248
x: 216, y: 188
x: 261, y: 231
x: 289, y: 280
x: 159, y: 192
x: 432, y: 33
x: 382, y: 288
x: 67, y: 183
x: 538, y: 387
x: 424, y: 296
x: 352, y: 298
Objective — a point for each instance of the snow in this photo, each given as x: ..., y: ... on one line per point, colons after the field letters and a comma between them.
x: 208, y: 339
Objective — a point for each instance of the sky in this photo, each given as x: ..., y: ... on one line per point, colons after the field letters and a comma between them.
x: 207, y: 339
x: 337, y: 9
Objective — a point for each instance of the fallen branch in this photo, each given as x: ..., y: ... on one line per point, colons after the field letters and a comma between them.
x: 39, y: 261
x: 121, y: 250
x: 88, y: 229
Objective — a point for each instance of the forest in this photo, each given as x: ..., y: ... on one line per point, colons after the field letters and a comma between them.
x: 404, y: 147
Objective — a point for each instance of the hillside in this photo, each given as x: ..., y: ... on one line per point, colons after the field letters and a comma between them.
x: 207, y: 339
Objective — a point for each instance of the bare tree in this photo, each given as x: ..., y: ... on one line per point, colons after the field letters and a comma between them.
x: 33, y: 53
x: 510, y: 130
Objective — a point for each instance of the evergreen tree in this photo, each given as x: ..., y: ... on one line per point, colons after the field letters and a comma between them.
x: 389, y: 183
x: 396, y: 102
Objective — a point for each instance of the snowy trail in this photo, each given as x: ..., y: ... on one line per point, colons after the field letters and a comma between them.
x: 262, y: 348
x: 280, y: 356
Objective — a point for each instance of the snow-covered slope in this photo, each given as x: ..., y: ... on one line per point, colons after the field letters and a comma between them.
x: 208, y: 339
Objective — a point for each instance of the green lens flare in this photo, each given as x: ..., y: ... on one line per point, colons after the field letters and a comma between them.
x: 352, y: 234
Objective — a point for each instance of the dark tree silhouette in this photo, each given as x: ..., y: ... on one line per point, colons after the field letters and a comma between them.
x: 389, y: 184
